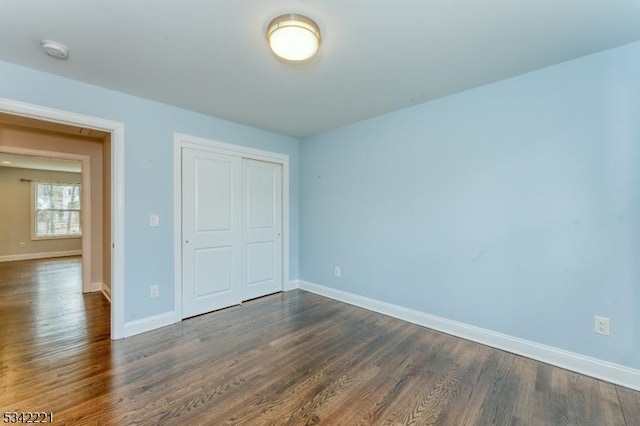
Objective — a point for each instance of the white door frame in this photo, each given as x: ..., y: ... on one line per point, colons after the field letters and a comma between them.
x: 85, y: 200
x: 186, y: 141
x: 116, y: 130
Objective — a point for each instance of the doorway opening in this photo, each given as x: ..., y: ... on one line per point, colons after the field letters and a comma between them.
x: 49, y: 203
x: 102, y: 178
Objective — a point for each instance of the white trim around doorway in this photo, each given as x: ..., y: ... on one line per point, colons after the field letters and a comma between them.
x: 116, y: 129
x: 186, y: 141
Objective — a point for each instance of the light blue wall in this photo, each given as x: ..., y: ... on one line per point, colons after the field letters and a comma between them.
x: 513, y: 207
x: 149, y: 129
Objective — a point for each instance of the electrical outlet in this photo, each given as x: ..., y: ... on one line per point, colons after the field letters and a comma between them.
x: 337, y: 272
x: 22, y: 244
x: 602, y: 325
x: 154, y: 220
x: 154, y: 291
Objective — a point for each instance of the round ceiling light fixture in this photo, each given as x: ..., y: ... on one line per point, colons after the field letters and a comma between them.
x: 55, y: 49
x: 293, y: 38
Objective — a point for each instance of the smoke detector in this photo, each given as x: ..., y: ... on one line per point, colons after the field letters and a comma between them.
x: 55, y: 49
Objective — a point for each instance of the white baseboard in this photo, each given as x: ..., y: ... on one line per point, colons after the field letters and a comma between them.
x: 106, y: 291
x: 292, y: 285
x: 132, y: 328
x: 45, y: 255
x: 604, y: 370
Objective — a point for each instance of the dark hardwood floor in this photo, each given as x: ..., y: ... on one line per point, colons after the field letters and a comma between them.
x: 293, y: 358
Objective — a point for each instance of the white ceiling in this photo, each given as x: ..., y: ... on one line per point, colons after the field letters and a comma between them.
x: 377, y: 56
x: 39, y: 163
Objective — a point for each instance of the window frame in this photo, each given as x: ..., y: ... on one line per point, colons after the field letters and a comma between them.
x: 34, y: 211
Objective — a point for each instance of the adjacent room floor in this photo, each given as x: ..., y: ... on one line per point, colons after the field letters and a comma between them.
x: 293, y: 358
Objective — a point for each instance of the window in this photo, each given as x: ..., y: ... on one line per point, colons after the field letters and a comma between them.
x: 56, y: 210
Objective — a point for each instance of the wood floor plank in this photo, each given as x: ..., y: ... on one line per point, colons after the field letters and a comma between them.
x: 526, y: 396
x: 292, y: 358
x: 630, y: 403
x: 440, y: 398
x: 609, y: 404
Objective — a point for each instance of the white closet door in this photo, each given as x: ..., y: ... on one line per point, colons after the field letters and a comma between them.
x: 262, y: 228
x: 211, y: 231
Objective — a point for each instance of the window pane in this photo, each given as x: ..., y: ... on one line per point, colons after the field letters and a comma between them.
x: 43, y: 196
x: 57, y: 196
x: 50, y: 223
x: 57, y: 210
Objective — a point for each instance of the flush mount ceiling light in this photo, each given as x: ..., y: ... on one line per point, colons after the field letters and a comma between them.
x: 293, y: 38
x: 55, y: 49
